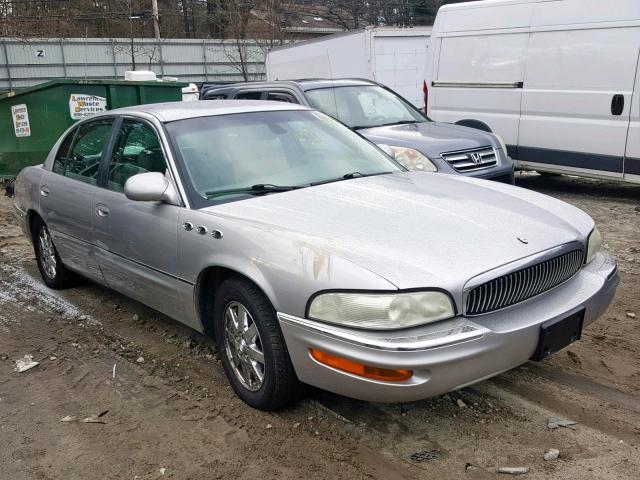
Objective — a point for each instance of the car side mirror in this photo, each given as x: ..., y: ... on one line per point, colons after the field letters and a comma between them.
x: 151, y: 187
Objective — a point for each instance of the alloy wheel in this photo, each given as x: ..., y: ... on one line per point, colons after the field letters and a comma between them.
x: 47, y: 253
x: 243, y: 346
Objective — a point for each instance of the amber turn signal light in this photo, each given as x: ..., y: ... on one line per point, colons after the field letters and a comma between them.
x: 366, y: 371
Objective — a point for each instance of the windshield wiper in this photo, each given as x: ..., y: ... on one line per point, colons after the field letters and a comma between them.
x: 258, y: 189
x: 400, y: 122
x: 348, y: 176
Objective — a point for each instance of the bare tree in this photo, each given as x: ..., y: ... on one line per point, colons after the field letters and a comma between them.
x: 272, y: 19
x: 134, y: 12
x: 216, y: 18
x: 185, y: 15
x: 254, y: 27
x: 350, y: 14
x: 237, y: 18
x: 197, y: 18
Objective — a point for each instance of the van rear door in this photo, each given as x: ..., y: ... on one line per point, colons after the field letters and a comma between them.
x: 576, y: 98
x: 399, y: 62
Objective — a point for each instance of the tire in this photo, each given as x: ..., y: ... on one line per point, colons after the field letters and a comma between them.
x: 279, y: 385
x: 53, y: 272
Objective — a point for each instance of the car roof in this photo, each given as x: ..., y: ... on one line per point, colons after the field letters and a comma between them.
x: 172, y: 111
x: 313, y: 83
x: 303, y: 83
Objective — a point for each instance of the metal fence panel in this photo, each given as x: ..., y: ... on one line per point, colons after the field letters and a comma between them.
x: 26, y: 62
x: 34, y: 53
x: 80, y: 52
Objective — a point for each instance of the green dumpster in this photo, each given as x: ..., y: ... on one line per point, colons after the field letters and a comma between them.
x: 32, y: 119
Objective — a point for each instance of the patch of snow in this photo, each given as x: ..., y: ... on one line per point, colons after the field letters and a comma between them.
x: 23, y: 289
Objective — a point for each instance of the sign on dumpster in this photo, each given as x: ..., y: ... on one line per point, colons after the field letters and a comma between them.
x: 83, y: 106
x: 21, y: 120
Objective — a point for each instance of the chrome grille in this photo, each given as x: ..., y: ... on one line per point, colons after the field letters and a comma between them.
x: 468, y: 160
x: 522, y: 284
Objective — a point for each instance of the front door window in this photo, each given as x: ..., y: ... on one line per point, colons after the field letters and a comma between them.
x: 136, y: 150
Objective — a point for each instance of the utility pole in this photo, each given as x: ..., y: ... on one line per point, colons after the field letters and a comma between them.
x: 156, y: 19
x: 185, y: 16
x: 132, y: 43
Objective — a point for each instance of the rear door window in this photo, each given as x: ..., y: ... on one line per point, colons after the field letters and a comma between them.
x: 216, y: 96
x: 249, y: 95
x: 82, y: 160
x: 63, y: 153
x: 281, y: 97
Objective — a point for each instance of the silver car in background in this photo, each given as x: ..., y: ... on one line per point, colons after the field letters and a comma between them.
x: 309, y: 254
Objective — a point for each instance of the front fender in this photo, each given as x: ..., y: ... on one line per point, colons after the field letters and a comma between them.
x: 289, y: 267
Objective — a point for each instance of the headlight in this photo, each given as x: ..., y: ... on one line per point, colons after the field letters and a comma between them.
x: 593, y: 244
x: 412, y: 159
x: 381, y: 311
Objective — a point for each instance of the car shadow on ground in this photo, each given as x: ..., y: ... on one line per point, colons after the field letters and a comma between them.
x: 569, y: 184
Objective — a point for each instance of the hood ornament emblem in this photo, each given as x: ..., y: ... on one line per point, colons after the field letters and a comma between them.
x: 523, y: 240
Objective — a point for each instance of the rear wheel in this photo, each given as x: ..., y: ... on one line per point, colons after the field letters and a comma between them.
x: 251, y: 346
x: 53, y: 272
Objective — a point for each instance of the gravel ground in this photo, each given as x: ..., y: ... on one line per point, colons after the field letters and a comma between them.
x: 159, y: 405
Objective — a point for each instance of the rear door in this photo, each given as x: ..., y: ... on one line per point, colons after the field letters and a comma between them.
x: 67, y: 194
x: 136, y: 242
x: 576, y: 101
x: 399, y: 63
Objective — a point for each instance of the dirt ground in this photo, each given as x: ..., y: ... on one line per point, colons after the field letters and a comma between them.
x: 170, y: 413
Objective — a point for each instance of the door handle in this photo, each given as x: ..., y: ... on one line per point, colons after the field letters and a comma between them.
x: 102, y: 211
x: 617, y: 104
x: 44, y: 191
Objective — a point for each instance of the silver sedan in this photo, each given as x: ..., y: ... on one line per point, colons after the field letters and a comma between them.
x: 309, y: 254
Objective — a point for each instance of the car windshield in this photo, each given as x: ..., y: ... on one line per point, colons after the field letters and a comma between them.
x: 364, y: 106
x: 228, y: 157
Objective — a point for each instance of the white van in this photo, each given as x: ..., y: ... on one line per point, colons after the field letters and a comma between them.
x: 392, y: 56
x: 556, y: 79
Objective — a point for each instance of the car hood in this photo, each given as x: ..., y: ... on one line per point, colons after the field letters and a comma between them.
x: 415, y: 229
x: 430, y: 138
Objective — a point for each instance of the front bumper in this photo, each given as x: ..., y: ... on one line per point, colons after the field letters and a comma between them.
x: 445, y: 355
x: 502, y: 173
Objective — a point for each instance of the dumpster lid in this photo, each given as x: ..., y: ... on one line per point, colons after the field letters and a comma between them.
x: 74, y: 81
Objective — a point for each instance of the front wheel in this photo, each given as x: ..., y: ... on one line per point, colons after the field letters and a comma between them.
x: 251, y: 346
x: 53, y: 272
